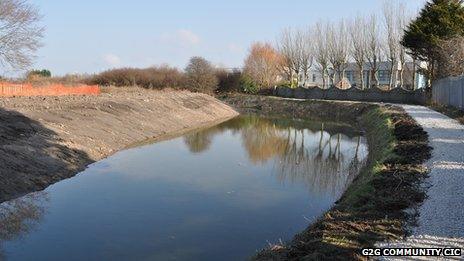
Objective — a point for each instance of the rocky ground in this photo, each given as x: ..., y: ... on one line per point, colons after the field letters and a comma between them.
x: 46, y: 139
x: 441, y: 217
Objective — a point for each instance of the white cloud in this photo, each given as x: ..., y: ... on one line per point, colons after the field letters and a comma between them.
x: 234, y: 48
x: 182, y: 37
x: 187, y: 36
x: 112, y: 60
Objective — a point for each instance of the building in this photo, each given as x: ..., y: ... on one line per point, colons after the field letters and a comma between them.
x: 352, y: 76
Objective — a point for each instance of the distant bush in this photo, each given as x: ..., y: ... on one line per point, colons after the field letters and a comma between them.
x: 38, y: 75
x: 41, y: 73
x: 229, y: 81
x: 248, y: 85
x: 201, y: 75
x: 152, y: 78
x: 69, y: 79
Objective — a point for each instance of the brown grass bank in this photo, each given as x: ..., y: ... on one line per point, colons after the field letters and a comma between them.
x: 46, y: 139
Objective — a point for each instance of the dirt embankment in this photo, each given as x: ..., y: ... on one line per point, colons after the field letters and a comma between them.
x: 336, y: 111
x: 46, y: 139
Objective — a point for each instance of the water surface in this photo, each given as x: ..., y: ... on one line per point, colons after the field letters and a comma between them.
x: 220, y: 193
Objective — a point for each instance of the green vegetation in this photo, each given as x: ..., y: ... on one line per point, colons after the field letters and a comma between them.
x: 40, y: 73
x: 380, y: 129
x: 248, y: 85
x: 438, y: 20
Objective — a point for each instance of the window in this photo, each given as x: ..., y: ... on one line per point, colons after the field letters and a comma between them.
x: 314, y: 77
x: 384, y: 76
x: 350, y: 76
x: 366, y: 75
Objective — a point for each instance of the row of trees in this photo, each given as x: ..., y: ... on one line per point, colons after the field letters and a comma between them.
x: 435, y: 37
x: 328, y: 47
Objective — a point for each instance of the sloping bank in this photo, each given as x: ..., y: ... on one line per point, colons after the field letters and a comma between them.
x: 374, y: 206
x: 45, y: 140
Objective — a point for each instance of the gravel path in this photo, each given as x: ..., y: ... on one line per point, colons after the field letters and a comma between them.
x: 441, y: 220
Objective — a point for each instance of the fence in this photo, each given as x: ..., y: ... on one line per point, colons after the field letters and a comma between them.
x: 449, y: 91
x: 397, y: 95
x: 11, y: 89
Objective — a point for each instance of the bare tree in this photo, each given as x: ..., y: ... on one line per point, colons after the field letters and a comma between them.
x: 286, y: 50
x: 297, y: 53
x: 201, y: 75
x: 20, y: 33
x: 358, y: 50
x: 338, y: 48
x: 289, y: 52
x: 394, y: 22
x: 392, y: 39
x: 403, y: 20
x: 306, y: 53
x: 321, y: 51
x: 374, y: 49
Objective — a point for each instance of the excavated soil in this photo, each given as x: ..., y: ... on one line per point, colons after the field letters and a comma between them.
x: 46, y: 139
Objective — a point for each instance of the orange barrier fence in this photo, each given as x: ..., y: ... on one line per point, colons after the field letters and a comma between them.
x: 12, y: 89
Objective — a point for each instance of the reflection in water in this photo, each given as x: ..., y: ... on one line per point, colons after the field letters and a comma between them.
x: 18, y: 217
x: 308, y: 153
x: 208, y: 195
x: 198, y: 142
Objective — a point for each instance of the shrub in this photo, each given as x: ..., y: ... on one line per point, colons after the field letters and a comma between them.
x: 450, y: 58
x: 68, y: 79
x: 41, y: 73
x: 229, y: 81
x: 152, y: 78
x: 248, y: 85
x: 201, y: 75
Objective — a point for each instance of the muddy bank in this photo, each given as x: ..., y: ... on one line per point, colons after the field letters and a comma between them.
x: 318, y: 110
x: 45, y: 140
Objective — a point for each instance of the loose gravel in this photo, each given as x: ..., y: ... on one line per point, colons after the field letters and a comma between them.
x: 441, y: 216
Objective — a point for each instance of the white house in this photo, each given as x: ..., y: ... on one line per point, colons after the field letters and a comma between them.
x: 383, y: 75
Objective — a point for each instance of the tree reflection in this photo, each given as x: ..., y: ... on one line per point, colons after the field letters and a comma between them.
x: 318, y: 155
x: 263, y: 141
x: 18, y: 217
x: 199, y: 141
x: 324, y: 162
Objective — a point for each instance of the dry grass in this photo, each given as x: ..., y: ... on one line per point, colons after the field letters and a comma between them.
x: 150, y: 78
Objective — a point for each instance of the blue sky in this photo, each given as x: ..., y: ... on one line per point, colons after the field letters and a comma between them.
x: 90, y: 36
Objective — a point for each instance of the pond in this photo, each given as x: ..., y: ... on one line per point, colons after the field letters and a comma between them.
x: 221, y: 193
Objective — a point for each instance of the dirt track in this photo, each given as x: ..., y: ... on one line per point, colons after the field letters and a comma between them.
x: 46, y: 139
